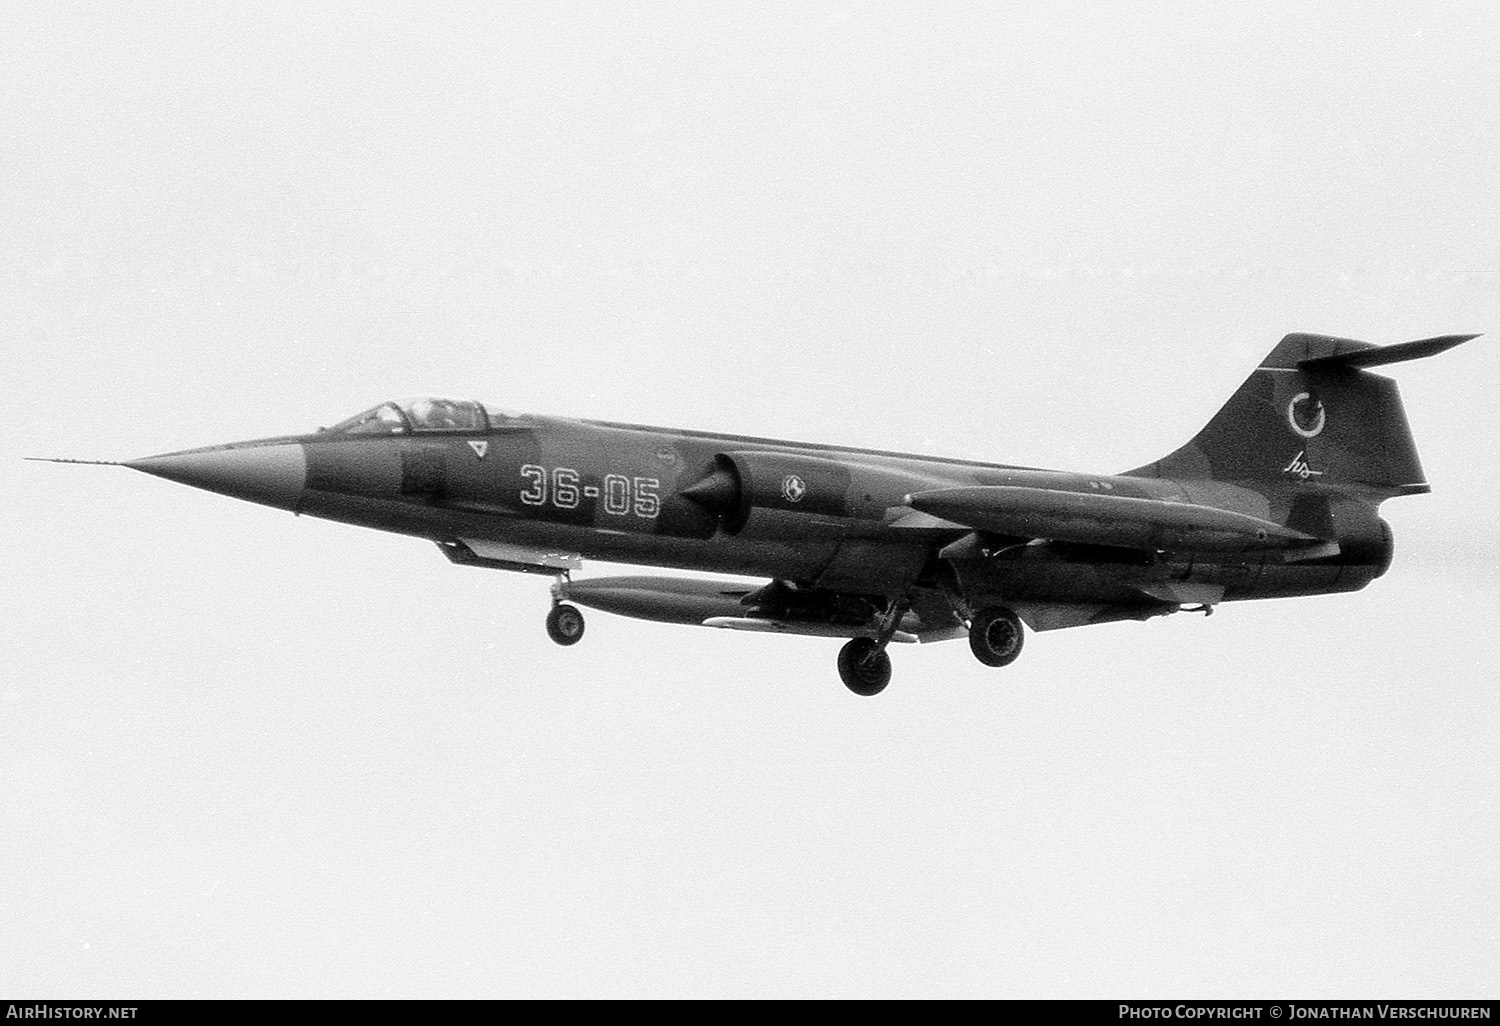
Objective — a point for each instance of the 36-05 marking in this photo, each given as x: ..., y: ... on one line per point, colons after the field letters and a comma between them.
x: 622, y: 495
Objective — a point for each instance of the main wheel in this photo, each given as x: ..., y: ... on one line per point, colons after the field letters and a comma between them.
x: 565, y: 625
x: 995, y: 635
x: 863, y: 670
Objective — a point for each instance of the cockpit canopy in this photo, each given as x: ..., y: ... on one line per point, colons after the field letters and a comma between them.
x: 416, y: 415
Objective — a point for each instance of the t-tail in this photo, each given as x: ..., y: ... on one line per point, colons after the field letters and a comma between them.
x: 1312, y: 413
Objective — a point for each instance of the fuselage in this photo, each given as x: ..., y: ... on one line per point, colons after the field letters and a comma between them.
x: 1277, y: 495
x: 824, y: 516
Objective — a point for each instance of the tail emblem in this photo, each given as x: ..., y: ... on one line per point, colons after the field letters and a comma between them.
x: 1306, y: 415
x: 793, y: 488
x: 1298, y: 468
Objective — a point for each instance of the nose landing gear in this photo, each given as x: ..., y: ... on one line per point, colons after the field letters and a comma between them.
x: 564, y: 622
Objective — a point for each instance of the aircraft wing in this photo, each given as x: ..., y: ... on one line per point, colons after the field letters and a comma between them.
x: 1093, y: 518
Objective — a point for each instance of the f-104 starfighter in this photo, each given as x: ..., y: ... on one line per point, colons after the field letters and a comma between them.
x: 1277, y: 496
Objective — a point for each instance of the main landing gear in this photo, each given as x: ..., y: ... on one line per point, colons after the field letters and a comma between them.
x: 995, y: 636
x: 865, y: 666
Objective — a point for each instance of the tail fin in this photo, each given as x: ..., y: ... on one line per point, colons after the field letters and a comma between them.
x: 1310, y: 412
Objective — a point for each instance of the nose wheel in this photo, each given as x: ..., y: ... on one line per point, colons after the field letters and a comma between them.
x: 565, y: 624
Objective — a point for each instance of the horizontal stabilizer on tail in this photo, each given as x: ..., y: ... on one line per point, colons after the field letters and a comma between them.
x: 1309, y: 418
x: 1377, y: 356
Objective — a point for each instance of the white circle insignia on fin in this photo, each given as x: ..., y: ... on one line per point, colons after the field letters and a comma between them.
x: 1306, y: 414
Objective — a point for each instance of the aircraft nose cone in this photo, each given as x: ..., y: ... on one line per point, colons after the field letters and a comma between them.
x: 271, y: 474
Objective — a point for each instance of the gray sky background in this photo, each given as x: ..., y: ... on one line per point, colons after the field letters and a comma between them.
x: 248, y: 754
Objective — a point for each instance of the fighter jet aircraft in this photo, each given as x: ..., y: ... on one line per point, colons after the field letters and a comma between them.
x: 1277, y: 496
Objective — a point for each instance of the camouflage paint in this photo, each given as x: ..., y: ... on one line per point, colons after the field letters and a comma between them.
x: 1307, y: 443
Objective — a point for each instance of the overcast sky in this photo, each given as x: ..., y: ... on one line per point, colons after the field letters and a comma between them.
x: 243, y: 753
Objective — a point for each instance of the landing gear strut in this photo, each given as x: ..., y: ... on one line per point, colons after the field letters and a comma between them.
x: 864, y: 666
x: 995, y: 636
x: 565, y: 624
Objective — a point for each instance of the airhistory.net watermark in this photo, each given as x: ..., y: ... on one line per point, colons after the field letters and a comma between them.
x: 70, y: 1011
